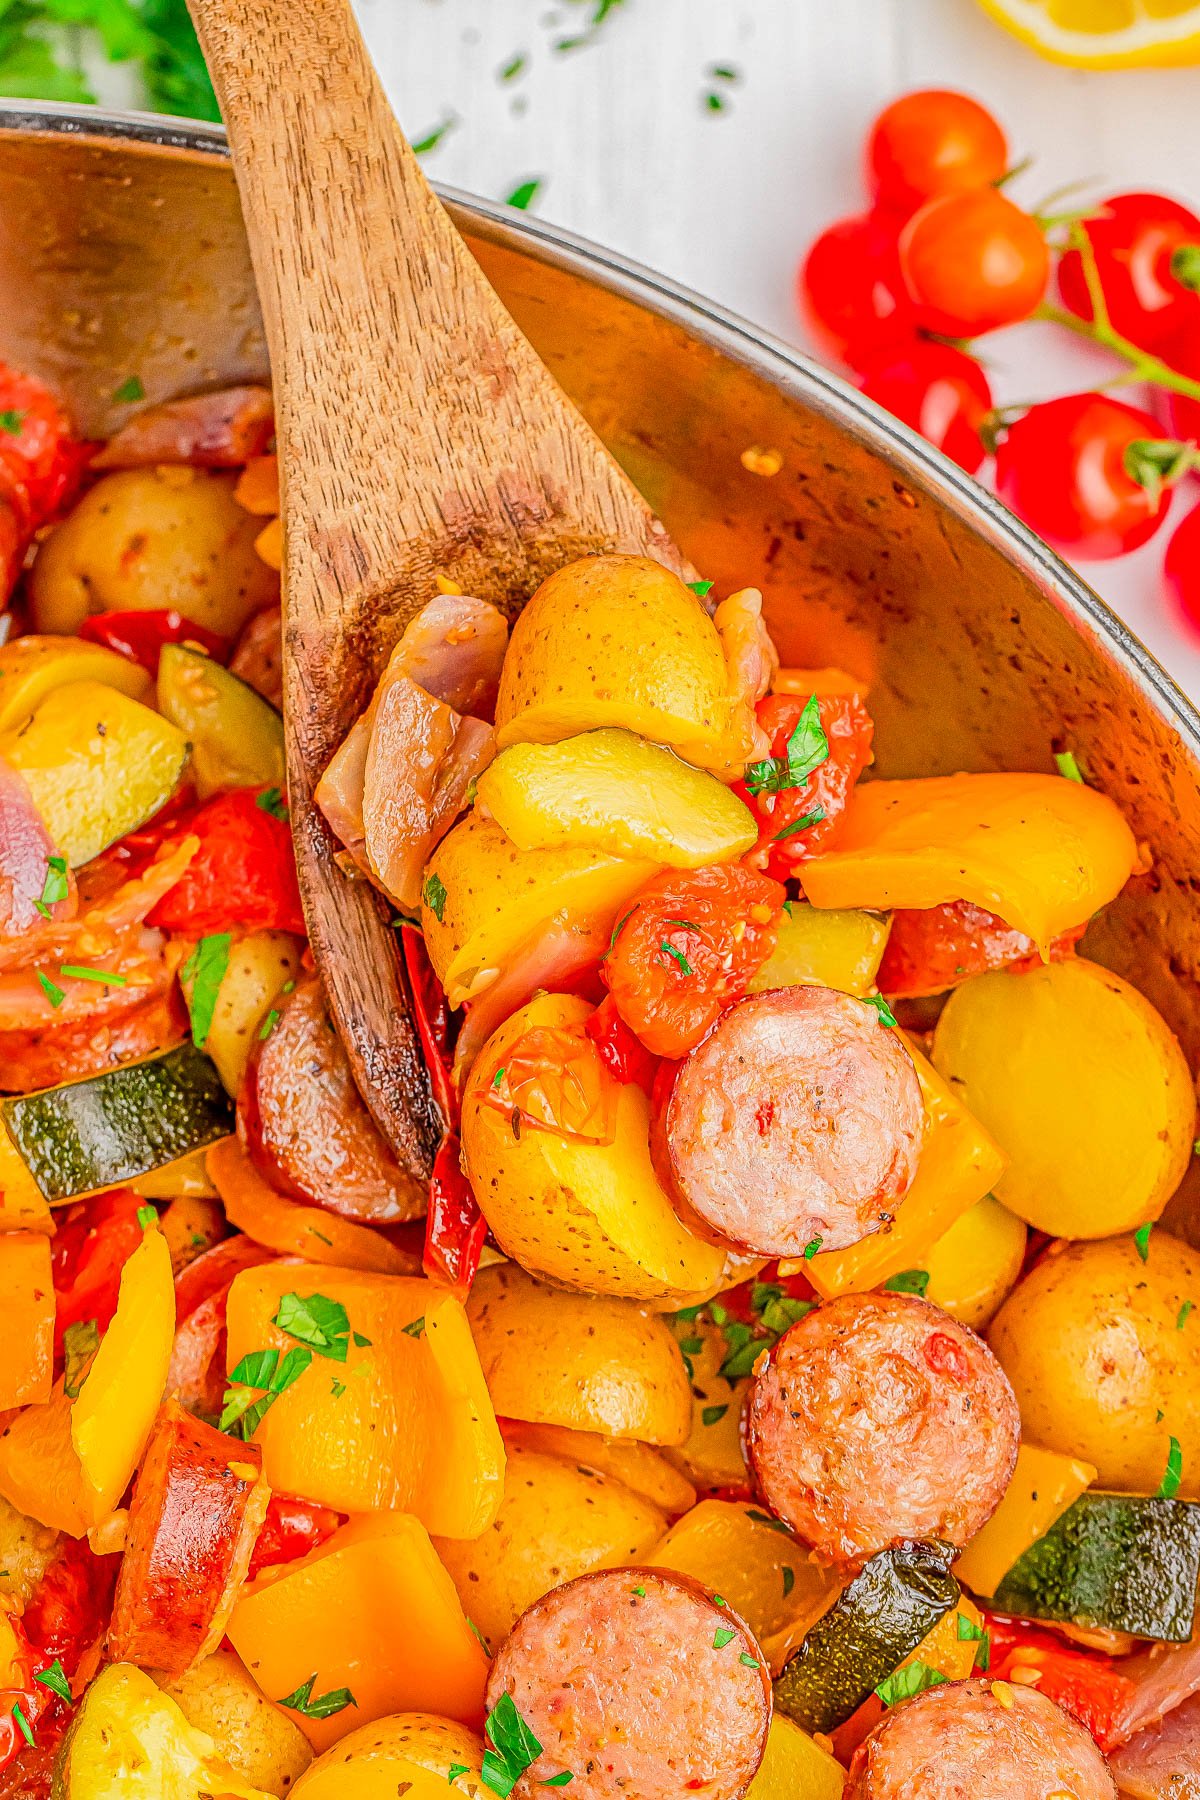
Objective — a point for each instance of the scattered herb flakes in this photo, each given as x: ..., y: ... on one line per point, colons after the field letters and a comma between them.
x: 789, y: 1580
x: 498, y: 1077
x: 724, y: 72
x: 205, y: 969
x: 416, y: 1329
x: 983, y: 1653
x: 1173, y: 1474
x: 700, y: 588
x: 714, y: 102
x: 74, y: 972
x: 724, y: 1634
x: 811, y: 1248
x: 434, y: 896
x: 1068, y: 765
x: 22, y: 1721
x: 11, y: 422
x: 807, y: 749
x: 317, y: 1321
x: 677, y: 955
x: 751, y: 1662
x: 1141, y: 1238
x: 455, y: 1770
x: 712, y: 1415
x: 131, y: 389
x: 55, y: 1679
x: 255, y: 1385
x: 776, y: 1309
x: 1184, y: 1310
x: 337, y: 1388
x: 324, y: 1706
x: 762, y: 1518
x: 512, y: 1747
x: 431, y: 140
x: 53, y: 994
x: 968, y: 1629
x: 522, y: 197
x: 640, y: 1591
x: 80, y: 1344
x: 268, y: 1025
x: 812, y: 818
x: 909, y: 1281
x: 517, y: 66
x: 271, y: 801
x: 148, y: 1216
x: 904, y: 1682
x: 1159, y: 1416
x: 478, y: 1635
x: 55, y: 887
x: 877, y: 1001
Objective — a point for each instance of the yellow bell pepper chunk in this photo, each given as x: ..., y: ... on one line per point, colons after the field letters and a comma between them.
x: 795, y: 1767
x: 974, y: 1266
x: 30, y: 667
x: 825, y: 948
x: 951, y: 1646
x: 1043, y: 1486
x: 27, y: 1308
x: 371, y: 1610
x: 959, y: 1165
x: 23, y: 1206
x: 1042, y: 853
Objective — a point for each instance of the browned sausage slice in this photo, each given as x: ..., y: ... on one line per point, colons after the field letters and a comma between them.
x: 879, y: 1418
x: 798, y: 1119
x: 640, y: 1684
x: 979, y: 1740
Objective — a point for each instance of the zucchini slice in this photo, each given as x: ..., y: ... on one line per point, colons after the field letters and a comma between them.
x: 891, y: 1605
x: 111, y: 1127
x: 1114, y: 1561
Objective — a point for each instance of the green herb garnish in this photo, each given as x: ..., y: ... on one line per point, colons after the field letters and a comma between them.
x: 148, y: 1216
x: 53, y: 994
x: 678, y: 956
x: 712, y: 1415
x: 431, y: 140
x: 11, y: 422
x: 1141, y: 1238
x: 807, y: 749
x: 55, y: 1679
x: 512, y: 1747
x: 1173, y: 1474
x: 434, y: 896
x: 22, y: 1721
x: 1184, y: 1310
x: 810, y: 818
x: 789, y: 1580
x: 700, y: 588
x: 723, y: 1635
x: 131, y: 389
x: 317, y: 1321
x: 880, y: 1005
x: 324, y: 1706
x: 416, y: 1329
x: 56, y: 886
x: 80, y: 1344
x: 811, y: 1248
x: 909, y: 1281
x: 912, y: 1679
x: 1067, y: 765
x: 271, y: 801
x: 205, y: 968
x: 74, y: 972
x: 256, y: 1384
x: 523, y: 196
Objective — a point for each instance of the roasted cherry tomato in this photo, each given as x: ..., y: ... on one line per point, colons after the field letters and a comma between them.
x: 1182, y: 352
x: 1181, y: 569
x: 1147, y: 251
x: 140, y: 636
x: 41, y: 460
x: 291, y: 1529
x: 851, y: 289
x: 687, y: 947
x: 624, y: 1056
x: 973, y: 262
x: 934, y: 948
x: 454, y: 1226
x: 1071, y: 468
x: 244, y: 872
x: 940, y: 392
x: 933, y: 142
x: 92, y: 1245
x: 798, y: 821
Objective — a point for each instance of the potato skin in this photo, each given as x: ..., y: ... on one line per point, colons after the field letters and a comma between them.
x: 250, y: 1731
x: 594, y: 1364
x: 591, y: 1216
x: 556, y: 1521
x: 1093, y: 1344
x: 381, y: 1760
x: 1083, y: 1087
x: 153, y: 537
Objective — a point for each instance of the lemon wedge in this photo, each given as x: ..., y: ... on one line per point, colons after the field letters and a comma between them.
x: 1105, y: 34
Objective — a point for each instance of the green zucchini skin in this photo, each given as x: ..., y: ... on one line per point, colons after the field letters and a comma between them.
x: 1118, y: 1561
x: 891, y: 1605
x: 119, y: 1124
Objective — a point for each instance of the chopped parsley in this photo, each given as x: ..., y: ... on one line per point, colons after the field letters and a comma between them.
x: 762, y: 1518
x: 517, y: 66
x: 700, y: 588
x: 776, y: 1309
x: 724, y: 1634
x: 968, y: 1629
x: 131, y: 389
x: 268, y: 1025
x: 751, y: 1662
x: 56, y: 886
x: 617, y: 929
x: 454, y: 1771
x: 55, y: 1679
x: 1141, y: 1238
x: 498, y: 1077
x: 271, y: 801
x: 912, y: 1679
x: 678, y: 956
x: 205, y: 968
x: 789, y: 1580
x: 148, y: 1216
x: 1184, y: 1310
x: 1173, y: 1474
x: 886, y: 1015
x: 523, y: 196
x: 641, y: 1591
x: 810, y: 818
x: 714, y: 102
x: 478, y: 1635
x: 324, y: 1706
x: 74, y: 972
x: 432, y: 139
x: 559, y: 1780
x: 512, y: 1747
x: 909, y: 1281
x: 1068, y: 766
x: 319, y: 1322
x: 811, y: 1248
x: 11, y: 421
x: 337, y: 1388
x: 22, y: 1721
x: 255, y: 1385
x: 807, y: 749
x: 712, y: 1415
x: 434, y: 896
x: 53, y: 994
x: 80, y: 1344
x: 416, y: 1329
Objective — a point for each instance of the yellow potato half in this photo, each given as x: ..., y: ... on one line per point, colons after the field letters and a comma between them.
x: 1082, y: 1086
x: 616, y: 640
x: 409, y: 1754
x: 591, y: 1216
x: 482, y: 897
x: 594, y: 1364
x: 556, y: 1521
x: 256, y: 1737
x: 613, y: 791
x: 831, y: 947
x: 30, y: 667
x: 1103, y: 1352
x: 973, y: 1266
x: 144, y: 538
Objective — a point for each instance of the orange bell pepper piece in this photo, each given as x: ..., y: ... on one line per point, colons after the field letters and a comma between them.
x: 294, y: 1229
x: 23, y: 1206
x: 405, y: 1423
x: 818, y: 681
x: 959, y: 1164
x: 258, y: 485
x: 27, y: 1308
x: 66, y: 1462
x: 269, y: 544
x: 1041, y: 852
x: 373, y: 1611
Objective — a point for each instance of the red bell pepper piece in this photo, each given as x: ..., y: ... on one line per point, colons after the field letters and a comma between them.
x: 140, y: 636
x: 87, y: 1255
x: 621, y: 1051
x: 244, y: 872
x: 1083, y: 1682
x: 66, y: 1614
x: 291, y: 1529
x: 454, y: 1226
x: 934, y: 948
x: 213, y: 1270
x: 432, y: 1018
x: 823, y: 796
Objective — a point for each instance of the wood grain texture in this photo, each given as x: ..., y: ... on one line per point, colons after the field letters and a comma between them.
x: 418, y: 434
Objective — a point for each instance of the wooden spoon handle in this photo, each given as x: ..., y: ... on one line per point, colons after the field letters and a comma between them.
x: 418, y: 433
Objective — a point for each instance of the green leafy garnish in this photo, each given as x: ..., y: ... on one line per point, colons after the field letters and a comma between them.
x: 713, y: 1414
x: 80, y: 1344
x: 751, y: 1662
x: 416, y: 1329
x: 205, y: 968
x: 55, y: 1679
x: 1141, y: 1238
x: 559, y: 1780
x: 983, y: 1653
x: 1068, y: 766
x: 811, y: 1248
x: 434, y: 896
x: 724, y: 1634
x: 454, y: 1771
x: 55, y: 887
x: 131, y: 389
x: 789, y: 1580
x: 324, y: 1706
x: 1184, y: 1310
x: 148, y: 1216
x: 516, y: 66
x: 74, y: 972
x: 700, y: 588
x: 271, y: 801
x: 53, y: 994
x: 22, y: 1721
x: 1173, y: 1474
x: 678, y: 956
x: 268, y: 1025
x: 807, y: 749
x: 522, y: 196
x: 909, y: 1281
x: 776, y: 1309
x: 968, y: 1629
x: 903, y: 1683
x: 11, y: 422
x: 762, y: 1518
x: 431, y: 140
x: 317, y: 1321
x: 641, y: 1591
x: 810, y: 818
x: 512, y: 1747
x: 256, y: 1384
x: 886, y: 1015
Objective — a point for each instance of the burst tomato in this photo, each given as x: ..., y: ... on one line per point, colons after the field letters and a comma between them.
x: 1182, y: 352
x: 798, y: 821
x: 973, y: 262
x: 940, y: 392
x: 851, y: 289
x: 1147, y: 251
x: 1181, y: 569
x: 933, y: 142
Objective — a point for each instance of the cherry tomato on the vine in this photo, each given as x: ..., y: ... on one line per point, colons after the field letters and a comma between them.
x: 851, y: 289
x: 1067, y: 468
x: 973, y: 262
x: 1182, y: 352
x: 1181, y: 570
x: 1147, y: 251
x: 939, y: 391
x: 933, y: 142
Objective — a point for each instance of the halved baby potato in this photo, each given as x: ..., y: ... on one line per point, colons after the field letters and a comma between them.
x: 256, y: 1737
x: 825, y: 947
x: 30, y: 667
x: 237, y: 739
x: 617, y: 640
x: 612, y: 790
x: 96, y: 764
x: 974, y: 1266
x: 410, y: 1754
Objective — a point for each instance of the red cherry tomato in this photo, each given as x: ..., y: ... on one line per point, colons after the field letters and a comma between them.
x: 973, y: 262
x: 1139, y: 241
x: 851, y: 290
x: 933, y: 142
x: 1182, y: 352
x: 934, y: 948
x: 1181, y: 570
x: 1063, y: 467
x: 140, y: 635
x: 291, y: 1529
x: 40, y: 458
x: 940, y: 392
x: 244, y: 872
x: 822, y: 796
x: 687, y: 947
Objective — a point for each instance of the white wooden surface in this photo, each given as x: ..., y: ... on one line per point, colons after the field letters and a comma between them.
x: 629, y: 154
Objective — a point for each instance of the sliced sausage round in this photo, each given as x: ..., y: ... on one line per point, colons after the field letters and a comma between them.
x: 979, y: 1740
x: 877, y: 1419
x: 798, y: 1119
x: 640, y: 1684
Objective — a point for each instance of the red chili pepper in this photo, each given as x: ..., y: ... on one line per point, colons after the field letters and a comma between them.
x: 140, y: 636
x: 432, y: 1018
x: 622, y: 1052
x: 291, y: 1529
x: 454, y: 1227
x: 244, y: 872
x: 91, y: 1247
x: 1083, y: 1682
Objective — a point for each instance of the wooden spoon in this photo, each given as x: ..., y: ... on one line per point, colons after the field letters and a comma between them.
x: 418, y: 433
